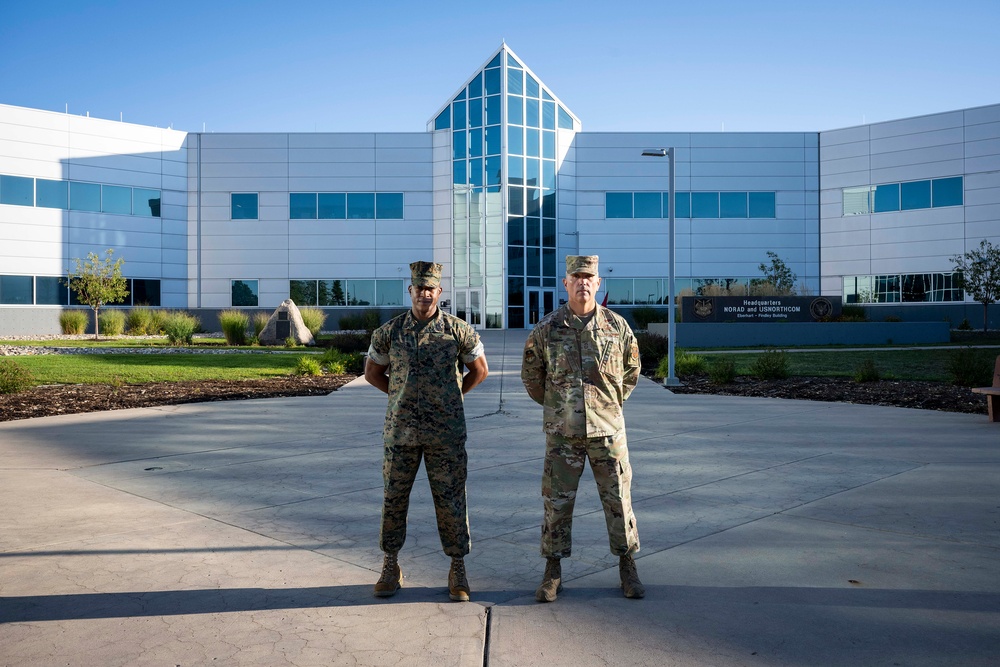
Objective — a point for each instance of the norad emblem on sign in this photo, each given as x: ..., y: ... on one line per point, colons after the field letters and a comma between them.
x: 760, y: 308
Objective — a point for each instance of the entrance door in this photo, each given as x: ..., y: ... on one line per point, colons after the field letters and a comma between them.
x: 541, y: 302
x: 469, y: 306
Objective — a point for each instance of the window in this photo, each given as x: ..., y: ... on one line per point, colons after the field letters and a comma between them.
x: 907, y: 288
x: 50, y: 291
x: 244, y: 292
x: 886, y: 198
x: 762, y: 205
x: 947, y: 191
x: 145, y: 292
x: 360, y: 292
x: 16, y: 290
x: 913, y: 195
x: 389, y: 205
x: 618, y: 205
x: 704, y: 204
x: 619, y: 290
x: 332, y: 206
x: 732, y: 204
x: 17, y: 191
x: 361, y: 205
x: 244, y: 207
x: 116, y: 199
x: 857, y: 201
x: 331, y: 293
x: 515, y: 110
x: 301, y: 206
x: 647, y: 291
x: 441, y: 122
x: 51, y: 194
x: 648, y: 205
x: 84, y: 196
x: 565, y: 120
x: 302, y: 292
x: 146, y: 202
x: 683, y: 203
x: 390, y: 292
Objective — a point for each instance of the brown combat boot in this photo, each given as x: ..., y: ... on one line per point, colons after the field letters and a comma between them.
x: 551, y: 582
x: 391, y: 579
x: 458, y: 585
x: 631, y: 585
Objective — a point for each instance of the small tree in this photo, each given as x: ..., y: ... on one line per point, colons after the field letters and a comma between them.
x: 777, y: 275
x: 979, y: 275
x: 97, y: 282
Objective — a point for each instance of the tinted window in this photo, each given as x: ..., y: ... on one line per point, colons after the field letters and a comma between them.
x: 360, y: 292
x: 116, y: 199
x: 515, y: 140
x: 515, y: 260
x: 493, y: 140
x: 531, y: 86
x: 50, y: 291
x: 515, y: 111
x: 389, y: 205
x: 549, y: 115
x: 531, y: 118
x: 244, y: 207
x: 887, y: 198
x: 493, y: 109
x: 947, y: 191
x: 704, y: 204
x: 52, y: 194
x: 733, y: 204
x: 390, y: 292
x: 17, y: 191
x: 332, y: 206
x: 361, y: 205
x: 84, y: 196
x: 458, y: 115
x: 648, y: 205
x: 15, y: 290
x: 548, y: 174
x: 302, y: 292
x: 145, y: 292
x: 683, y: 202
x: 441, y: 122
x: 492, y: 81
x: 476, y: 112
x: 515, y: 200
x: 302, y: 206
x: 493, y: 174
x: 459, y: 172
x: 618, y: 205
x: 549, y: 145
x: 762, y: 205
x: 244, y: 293
x: 915, y: 195
x: 146, y: 202
x: 565, y: 120
x: 515, y: 82
x: 331, y: 293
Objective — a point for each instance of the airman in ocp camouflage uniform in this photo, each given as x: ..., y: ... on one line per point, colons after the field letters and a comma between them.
x: 581, y: 362
x: 417, y: 358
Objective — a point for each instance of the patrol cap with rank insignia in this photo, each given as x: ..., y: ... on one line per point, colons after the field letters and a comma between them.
x: 425, y: 274
x: 581, y: 264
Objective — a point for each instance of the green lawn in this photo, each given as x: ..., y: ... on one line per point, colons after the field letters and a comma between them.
x: 139, y: 368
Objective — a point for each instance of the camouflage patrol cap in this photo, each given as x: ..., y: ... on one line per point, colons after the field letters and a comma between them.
x: 581, y: 264
x: 425, y: 274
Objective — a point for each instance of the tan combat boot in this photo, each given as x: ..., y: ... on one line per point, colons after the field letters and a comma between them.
x: 631, y: 585
x: 551, y: 582
x: 391, y: 579
x: 458, y: 585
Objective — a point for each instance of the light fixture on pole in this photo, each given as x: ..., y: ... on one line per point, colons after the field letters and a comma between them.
x: 671, y: 379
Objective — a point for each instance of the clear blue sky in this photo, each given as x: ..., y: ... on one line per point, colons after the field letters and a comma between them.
x: 698, y: 65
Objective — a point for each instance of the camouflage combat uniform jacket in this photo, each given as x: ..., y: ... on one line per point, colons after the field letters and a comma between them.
x: 581, y: 376
x: 425, y: 361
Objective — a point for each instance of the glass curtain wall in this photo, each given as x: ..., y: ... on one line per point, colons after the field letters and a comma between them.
x: 503, y: 126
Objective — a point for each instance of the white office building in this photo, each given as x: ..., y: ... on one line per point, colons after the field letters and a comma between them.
x: 501, y: 186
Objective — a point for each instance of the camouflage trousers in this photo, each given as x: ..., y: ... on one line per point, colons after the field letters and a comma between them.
x: 564, y: 461
x: 446, y: 464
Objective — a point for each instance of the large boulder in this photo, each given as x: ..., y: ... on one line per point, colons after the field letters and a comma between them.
x: 286, y: 322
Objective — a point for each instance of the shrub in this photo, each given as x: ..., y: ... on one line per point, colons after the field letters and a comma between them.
x: 180, y: 328
x: 112, y: 322
x: 371, y: 319
x: 867, y: 371
x: 722, y: 370
x: 347, y: 341
x: 313, y: 318
x: 14, y: 377
x: 643, y: 315
x: 308, y: 365
x: 259, y: 322
x: 771, y: 365
x: 652, y: 348
x: 852, y: 313
x: 139, y: 322
x: 965, y: 326
x: 73, y: 322
x: 893, y: 318
x: 685, y: 364
x: 158, y: 321
x: 971, y: 367
x: 234, y: 326
x: 350, y: 323
x: 338, y: 362
x: 291, y: 342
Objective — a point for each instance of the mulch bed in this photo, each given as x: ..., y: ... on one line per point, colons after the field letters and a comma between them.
x: 73, y: 399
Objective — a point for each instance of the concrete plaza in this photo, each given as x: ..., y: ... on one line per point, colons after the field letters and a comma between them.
x: 774, y: 532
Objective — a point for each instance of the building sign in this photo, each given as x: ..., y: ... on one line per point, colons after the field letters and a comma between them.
x: 760, y: 308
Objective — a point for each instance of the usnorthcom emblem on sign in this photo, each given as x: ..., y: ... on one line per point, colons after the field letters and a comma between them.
x: 704, y: 307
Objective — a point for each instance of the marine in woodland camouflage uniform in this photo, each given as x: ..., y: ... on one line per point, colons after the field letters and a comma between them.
x: 581, y: 366
x: 417, y: 358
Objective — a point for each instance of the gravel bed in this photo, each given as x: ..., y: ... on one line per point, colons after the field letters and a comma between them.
x: 26, y: 350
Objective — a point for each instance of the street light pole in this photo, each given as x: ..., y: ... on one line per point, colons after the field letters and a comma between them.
x: 671, y: 379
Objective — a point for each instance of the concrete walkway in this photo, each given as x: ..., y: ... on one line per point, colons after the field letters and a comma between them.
x: 773, y: 532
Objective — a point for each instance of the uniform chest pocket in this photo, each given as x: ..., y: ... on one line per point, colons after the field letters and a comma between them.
x: 611, y: 356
